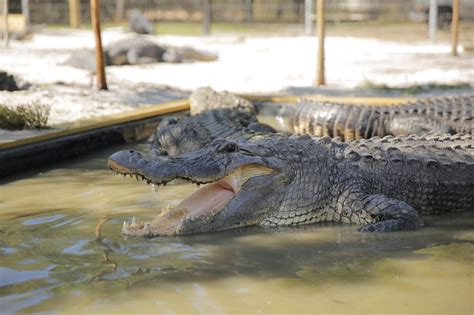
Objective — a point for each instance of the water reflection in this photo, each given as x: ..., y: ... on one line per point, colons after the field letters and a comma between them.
x: 56, y: 257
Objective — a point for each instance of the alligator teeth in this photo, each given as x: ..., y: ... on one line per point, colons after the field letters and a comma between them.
x: 146, y: 227
x: 154, y: 187
x: 134, y: 220
x: 125, y: 227
x: 165, y: 210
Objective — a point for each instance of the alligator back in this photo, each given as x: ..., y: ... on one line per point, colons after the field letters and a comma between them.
x: 351, y: 122
x: 133, y: 50
x: 434, y: 174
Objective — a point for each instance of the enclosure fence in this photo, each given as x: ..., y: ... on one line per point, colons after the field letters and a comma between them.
x: 235, y: 11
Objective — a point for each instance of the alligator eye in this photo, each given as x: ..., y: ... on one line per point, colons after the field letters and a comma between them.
x: 229, y: 147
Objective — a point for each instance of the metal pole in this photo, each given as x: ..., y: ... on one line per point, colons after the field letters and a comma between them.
x: 320, y: 28
x: 99, y: 54
x: 433, y: 20
x: 206, y: 17
x: 308, y: 17
x: 6, y: 35
x: 455, y: 28
x: 25, y: 10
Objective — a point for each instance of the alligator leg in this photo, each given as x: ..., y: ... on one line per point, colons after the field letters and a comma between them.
x: 389, y: 214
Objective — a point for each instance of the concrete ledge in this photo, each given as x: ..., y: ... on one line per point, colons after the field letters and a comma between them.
x: 84, y: 137
x: 334, y: 99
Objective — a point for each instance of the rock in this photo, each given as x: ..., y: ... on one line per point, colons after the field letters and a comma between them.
x: 205, y: 98
x: 139, y: 23
x: 9, y: 83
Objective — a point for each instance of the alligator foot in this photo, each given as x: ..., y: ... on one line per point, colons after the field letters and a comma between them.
x: 390, y: 215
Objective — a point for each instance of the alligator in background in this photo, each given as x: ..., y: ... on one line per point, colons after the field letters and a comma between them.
x: 177, y: 135
x: 224, y: 115
x: 137, y: 50
x: 385, y: 184
x: 439, y: 115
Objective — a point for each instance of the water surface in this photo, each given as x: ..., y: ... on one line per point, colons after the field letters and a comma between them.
x: 61, y: 251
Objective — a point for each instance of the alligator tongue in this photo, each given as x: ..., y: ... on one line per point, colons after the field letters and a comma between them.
x: 207, y: 199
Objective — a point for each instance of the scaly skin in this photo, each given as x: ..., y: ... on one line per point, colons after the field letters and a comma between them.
x: 384, y: 184
x: 237, y: 120
x: 182, y: 135
x: 351, y: 122
x: 438, y: 115
x: 135, y: 50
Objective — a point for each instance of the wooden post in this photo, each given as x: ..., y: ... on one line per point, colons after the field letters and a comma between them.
x: 99, y: 54
x: 75, y: 13
x: 206, y: 17
x: 455, y: 28
x: 6, y: 33
x: 320, y: 29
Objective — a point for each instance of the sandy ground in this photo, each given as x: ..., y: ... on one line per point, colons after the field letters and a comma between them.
x: 246, y: 65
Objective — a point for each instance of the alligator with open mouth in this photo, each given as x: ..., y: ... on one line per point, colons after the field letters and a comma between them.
x: 384, y: 184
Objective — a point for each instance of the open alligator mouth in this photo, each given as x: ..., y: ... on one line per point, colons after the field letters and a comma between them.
x: 205, y: 202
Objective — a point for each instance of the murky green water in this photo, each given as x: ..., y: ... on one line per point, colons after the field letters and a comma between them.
x: 52, y: 262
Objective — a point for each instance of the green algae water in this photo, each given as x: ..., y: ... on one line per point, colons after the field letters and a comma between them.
x: 61, y: 252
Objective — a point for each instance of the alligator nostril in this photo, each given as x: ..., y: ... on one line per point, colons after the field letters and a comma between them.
x: 131, y: 151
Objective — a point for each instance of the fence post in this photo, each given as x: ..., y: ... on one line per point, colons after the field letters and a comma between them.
x: 99, y: 54
x: 206, y: 17
x: 25, y: 10
x: 320, y: 26
x: 6, y: 35
x: 455, y: 28
x: 433, y: 20
x: 120, y: 10
x: 249, y: 11
x: 308, y: 17
x: 75, y: 13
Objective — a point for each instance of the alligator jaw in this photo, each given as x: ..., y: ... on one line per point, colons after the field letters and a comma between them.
x: 207, y: 201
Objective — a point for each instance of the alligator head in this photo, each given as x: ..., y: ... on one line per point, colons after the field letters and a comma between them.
x: 245, y: 183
